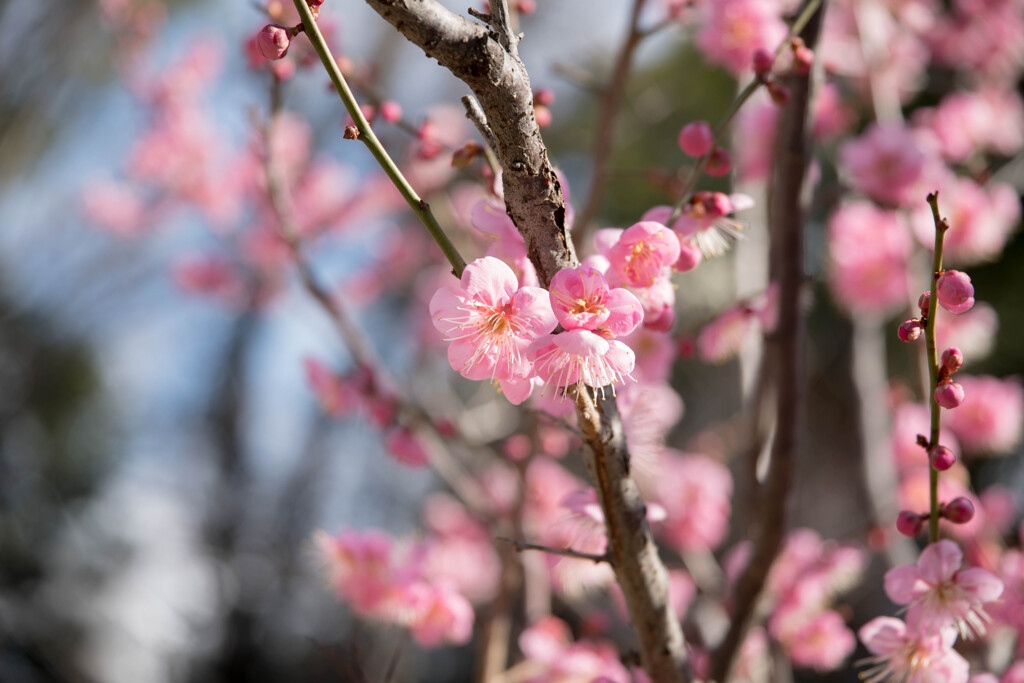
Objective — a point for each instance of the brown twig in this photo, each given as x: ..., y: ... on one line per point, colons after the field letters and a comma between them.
x: 520, y: 546
x: 604, y: 135
x: 785, y: 348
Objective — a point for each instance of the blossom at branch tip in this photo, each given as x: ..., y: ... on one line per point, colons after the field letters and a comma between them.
x: 902, y: 654
x: 939, y: 593
x: 490, y: 322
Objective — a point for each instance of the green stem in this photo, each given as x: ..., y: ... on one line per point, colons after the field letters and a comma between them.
x: 366, y: 134
x: 941, y: 225
x: 748, y: 91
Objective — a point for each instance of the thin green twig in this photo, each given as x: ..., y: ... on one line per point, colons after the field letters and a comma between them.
x: 366, y: 134
x: 941, y: 226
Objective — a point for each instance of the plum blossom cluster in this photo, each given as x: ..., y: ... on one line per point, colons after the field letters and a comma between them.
x: 388, y: 580
x: 942, y: 601
x: 502, y: 332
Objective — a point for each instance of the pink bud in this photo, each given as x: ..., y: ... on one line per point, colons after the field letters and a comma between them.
x: 544, y: 97
x: 314, y: 3
x: 941, y: 458
x: 956, y: 293
x: 923, y: 301
x: 273, y: 41
x: 543, y: 115
x: 763, y: 62
x: 952, y: 360
x: 696, y: 139
x: 390, y: 111
x: 690, y: 256
x: 779, y: 92
x: 405, y: 447
x: 949, y: 394
x: 959, y: 510
x: 526, y: 6
x: 909, y: 330
x: 803, y: 58
x: 714, y: 204
x: 719, y: 163
x: 909, y: 523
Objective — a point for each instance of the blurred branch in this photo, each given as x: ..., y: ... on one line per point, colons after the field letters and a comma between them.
x: 787, y: 202
x: 610, y: 106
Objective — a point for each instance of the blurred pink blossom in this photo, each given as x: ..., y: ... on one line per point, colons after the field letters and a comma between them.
x: 991, y: 419
x: 869, y: 248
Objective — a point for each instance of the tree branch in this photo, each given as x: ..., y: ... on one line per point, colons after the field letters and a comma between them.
x: 787, y: 202
x: 488, y: 62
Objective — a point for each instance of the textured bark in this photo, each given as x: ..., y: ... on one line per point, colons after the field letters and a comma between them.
x: 786, y: 217
x: 486, y: 58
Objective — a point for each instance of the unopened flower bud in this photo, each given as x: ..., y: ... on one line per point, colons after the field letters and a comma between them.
x: 390, y: 111
x: 779, y: 92
x: 941, y: 458
x: 909, y: 330
x: 959, y: 510
x: 909, y: 523
x: 696, y: 139
x: 956, y: 293
x: 952, y: 360
x: 719, y: 163
x: 273, y: 41
x: 351, y: 133
x: 923, y: 302
x: 314, y: 3
x: 803, y: 57
x: 543, y: 115
x: 690, y: 256
x: 763, y: 62
x: 949, y: 394
x: 544, y: 97
x: 526, y: 6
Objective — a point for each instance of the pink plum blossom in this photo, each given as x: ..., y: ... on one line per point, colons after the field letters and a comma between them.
x: 734, y: 30
x: 695, y: 490
x: 939, y: 593
x: 489, y: 217
x: 405, y: 447
x: 902, y: 654
x: 644, y: 253
x: 581, y: 299
x: 869, y: 249
x: 696, y: 138
x: 555, y: 658
x: 969, y: 122
x: 490, y: 322
x: 578, y: 357
x: 822, y: 642
x: 887, y: 164
x: 335, y: 396
x: 992, y: 420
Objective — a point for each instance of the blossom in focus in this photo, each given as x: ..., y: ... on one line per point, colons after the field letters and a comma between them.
x: 939, y: 593
x: 578, y: 357
x: 581, y: 299
x: 490, y: 322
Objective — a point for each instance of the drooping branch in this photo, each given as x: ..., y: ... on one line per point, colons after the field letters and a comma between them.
x: 787, y: 211
x: 486, y: 58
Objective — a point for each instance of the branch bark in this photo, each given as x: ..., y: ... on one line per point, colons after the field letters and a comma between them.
x: 486, y: 58
x: 787, y: 213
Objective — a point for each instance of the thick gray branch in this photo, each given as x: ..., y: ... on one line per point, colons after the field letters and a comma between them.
x: 487, y: 60
x: 474, y: 53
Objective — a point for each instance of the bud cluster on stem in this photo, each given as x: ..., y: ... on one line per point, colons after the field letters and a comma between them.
x: 952, y: 290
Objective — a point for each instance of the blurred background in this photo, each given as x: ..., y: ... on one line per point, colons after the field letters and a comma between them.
x: 163, y: 461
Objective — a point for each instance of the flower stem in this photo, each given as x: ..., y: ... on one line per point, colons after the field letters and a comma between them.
x: 941, y: 226
x: 366, y: 134
x: 748, y: 91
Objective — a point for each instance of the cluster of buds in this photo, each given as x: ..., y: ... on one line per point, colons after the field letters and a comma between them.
x: 764, y: 63
x: 697, y: 139
x: 960, y: 510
